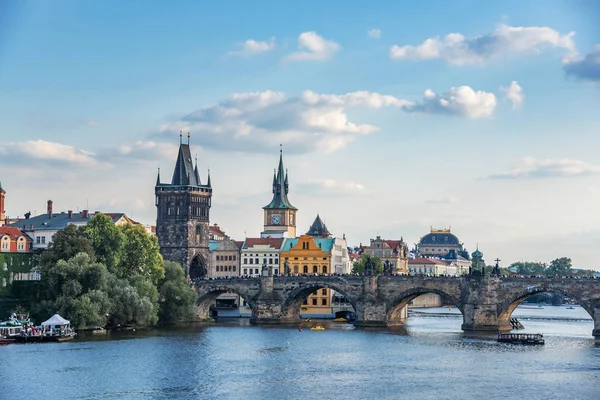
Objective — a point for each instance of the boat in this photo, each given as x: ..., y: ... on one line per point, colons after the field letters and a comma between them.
x: 55, y: 329
x: 317, y: 328
x: 10, y: 329
x: 340, y: 320
x: 521, y: 338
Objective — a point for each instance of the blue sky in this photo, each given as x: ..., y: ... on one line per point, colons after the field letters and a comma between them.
x: 394, y: 116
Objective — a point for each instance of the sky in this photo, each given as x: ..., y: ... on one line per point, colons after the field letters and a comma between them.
x: 394, y: 117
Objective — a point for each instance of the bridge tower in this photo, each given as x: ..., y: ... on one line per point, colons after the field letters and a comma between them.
x: 182, y: 215
x: 280, y: 214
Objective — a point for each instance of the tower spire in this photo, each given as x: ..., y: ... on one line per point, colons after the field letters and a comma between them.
x: 209, y: 178
x: 196, y: 174
x: 157, y: 178
x: 180, y: 137
x: 188, y: 138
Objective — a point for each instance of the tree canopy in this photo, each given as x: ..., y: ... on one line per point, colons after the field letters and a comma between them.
x: 359, y: 266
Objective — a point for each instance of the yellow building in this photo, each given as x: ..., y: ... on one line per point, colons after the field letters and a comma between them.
x: 308, y: 255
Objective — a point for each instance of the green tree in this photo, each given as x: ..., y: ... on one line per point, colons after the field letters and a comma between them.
x: 67, y: 243
x: 529, y: 268
x: 140, y: 254
x: 177, y: 297
x: 128, y: 307
x: 106, y: 239
x: 359, y: 266
x: 559, y: 267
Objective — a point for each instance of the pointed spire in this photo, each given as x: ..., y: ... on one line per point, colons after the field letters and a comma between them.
x: 280, y: 187
x: 286, y: 183
x: 188, y: 138
x: 157, y: 179
x: 196, y: 174
x: 208, y: 184
x: 180, y: 137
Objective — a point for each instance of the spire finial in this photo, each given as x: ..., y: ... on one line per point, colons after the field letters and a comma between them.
x: 280, y: 149
x: 180, y: 136
x: 188, y: 138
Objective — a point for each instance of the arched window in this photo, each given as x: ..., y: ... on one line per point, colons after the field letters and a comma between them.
x: 315, y: 269
x: 306, y: 269
x: 324, y: 269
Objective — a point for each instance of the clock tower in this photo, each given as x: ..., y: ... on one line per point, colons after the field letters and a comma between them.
x: 280, y: 214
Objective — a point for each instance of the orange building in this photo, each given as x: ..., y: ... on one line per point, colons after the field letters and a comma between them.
x: 13, y: 240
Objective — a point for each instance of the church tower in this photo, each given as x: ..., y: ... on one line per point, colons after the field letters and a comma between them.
x: 280, y: 214
x: 182, y: 215
x: 2, y: 211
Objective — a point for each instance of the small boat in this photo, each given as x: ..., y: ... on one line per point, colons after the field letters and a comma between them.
x: 340, y: 320
x: 521, y: 338
x: 317, y: 328
x: 308, y: 320
x: 4, y: 340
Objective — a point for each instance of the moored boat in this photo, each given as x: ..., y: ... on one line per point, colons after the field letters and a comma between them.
x: 521, y: 338
x: 317, y: 328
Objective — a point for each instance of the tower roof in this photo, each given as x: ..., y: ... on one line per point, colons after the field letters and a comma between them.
x: 318, y: 228
x: 184, y: 175
x: 280, y: 188
x: 1, y: 186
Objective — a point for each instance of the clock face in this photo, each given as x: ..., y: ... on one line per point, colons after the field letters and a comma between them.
x: 275, y: 219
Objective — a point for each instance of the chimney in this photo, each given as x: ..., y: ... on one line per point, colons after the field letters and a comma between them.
x: 49, y: 208
x: 70, y: 214
x: 85, y: 213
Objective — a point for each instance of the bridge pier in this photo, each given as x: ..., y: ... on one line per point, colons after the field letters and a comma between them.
x: 480, y: 310
x: 596, y: 316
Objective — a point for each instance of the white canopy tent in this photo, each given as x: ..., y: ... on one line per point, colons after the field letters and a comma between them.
x: 56, y: 320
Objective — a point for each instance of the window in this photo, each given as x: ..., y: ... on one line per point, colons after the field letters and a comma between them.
x: 234, y: 258
x: 230, y: 258
x: 314, y: 301
x: 295, y: 269
x: 245, y: 271
x: 323, y: 302
x: 324, y: 292
x: 305, y: 302
x: 43, y: 239
x: 315, y: 269
x: 256, y: 270
x: 270, y: 261
x: 234, y: 268
x: 245, y: 261
x: 256, y: 261
x: 251, y: 261
x: 306, y: 269
x: 38, y: 240
x: 324, y: 269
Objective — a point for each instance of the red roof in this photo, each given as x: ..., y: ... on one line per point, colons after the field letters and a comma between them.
x: 14, y: 233
x: 239, y: 243
x: 272, y: 242
x: 353, y: 256
x: 215, y: 230
x: 394, y: 244
x: 422, y: 260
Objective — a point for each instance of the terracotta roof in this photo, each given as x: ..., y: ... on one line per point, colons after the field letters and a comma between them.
x: 14, y: 233
x: 353, y: 256
x: 394, y: 244
x: 239, y: 243
x: 272, y: 242
x: 216, y: 230
x: 422, y: 260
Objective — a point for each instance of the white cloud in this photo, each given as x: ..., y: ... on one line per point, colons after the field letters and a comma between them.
x: 313, y: 47
x: 140, y: 151
x: 514, y: 93
x: 462, y: 101
x: 252, y: 47
x: 443, y: 200
x: 506, y: 40
x: 332, y: 187
x: 585, y: 68
x: 260, y: 121
x: 41, y: 151
x: 374, y: 33
x: 548, y: 168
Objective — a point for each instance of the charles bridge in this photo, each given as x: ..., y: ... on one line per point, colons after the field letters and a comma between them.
x: 486, y: 302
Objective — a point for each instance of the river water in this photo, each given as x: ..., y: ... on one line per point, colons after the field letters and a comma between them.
x: 431, y: 358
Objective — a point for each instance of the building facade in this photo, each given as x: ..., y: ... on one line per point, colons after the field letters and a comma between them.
x: 394, y: 252
x: 16, y: 259
x: 224, y: 258
x: 182, y: 215
x: 439, y: 242
x: 257, y: 252
x: 2, y: 210
x: 279, y: 216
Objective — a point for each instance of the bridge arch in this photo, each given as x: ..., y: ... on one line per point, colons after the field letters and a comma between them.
x: 506, y: 308
x: 206, y: 296
x: 395, y: 306
x: 290, y: 309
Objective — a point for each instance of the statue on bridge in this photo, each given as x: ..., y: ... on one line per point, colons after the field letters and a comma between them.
x: 388, y: 267
x: 265, y: 271
x: 496, y: 270
x: 370, y: 267
x: 286, y: 268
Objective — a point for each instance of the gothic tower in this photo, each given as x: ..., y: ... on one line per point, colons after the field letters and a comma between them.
x: 2, y: 211
x: 182, y: 215
x: 280, y: 214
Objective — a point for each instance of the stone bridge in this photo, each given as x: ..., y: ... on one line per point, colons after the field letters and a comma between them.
x: 486, y: 303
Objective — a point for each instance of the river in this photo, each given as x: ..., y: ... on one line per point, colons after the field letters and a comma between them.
x: 431, y: 358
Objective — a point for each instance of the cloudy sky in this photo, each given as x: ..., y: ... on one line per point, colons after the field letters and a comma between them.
x: 393, y: 117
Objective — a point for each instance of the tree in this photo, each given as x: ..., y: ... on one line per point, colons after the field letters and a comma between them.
x: 128, y: 307
x: 106, y: 239
x: 67, y: 243
x: 359, y: 266
x: 529, y: 268
x: 140, y: 254
x: 177, y: 297
x: 559, y: 267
